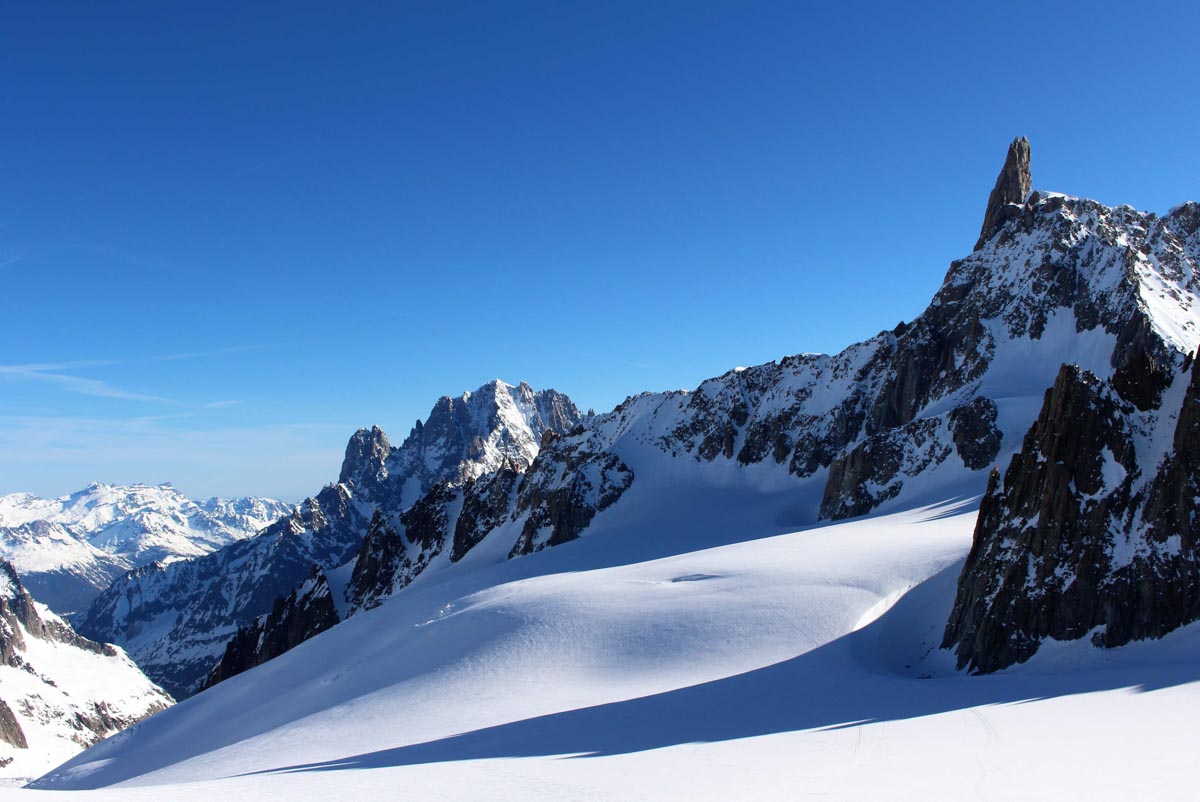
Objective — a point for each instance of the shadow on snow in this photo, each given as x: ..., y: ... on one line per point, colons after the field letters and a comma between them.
x: 846, y: 683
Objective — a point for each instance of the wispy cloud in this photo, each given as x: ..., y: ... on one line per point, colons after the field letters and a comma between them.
x: 61, y: 375
x: 75, y: 384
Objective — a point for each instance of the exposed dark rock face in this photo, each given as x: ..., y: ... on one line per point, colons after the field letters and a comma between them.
x: 1143, y: 371
x: 487, y: 502
x: 365, y: 463
x: 19, y: 612
x: 10, y: 729
x: 378, y: 563
x: 1012, y: 186
x: 1090, y: 531
x: 392, y: 555
x: 875, y: 470
x: 1171, y: 506
x: 561, y: 496
x: 306, y: 612
x: 976, y: 437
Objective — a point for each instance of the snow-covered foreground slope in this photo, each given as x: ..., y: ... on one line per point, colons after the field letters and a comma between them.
x: 746, y: 670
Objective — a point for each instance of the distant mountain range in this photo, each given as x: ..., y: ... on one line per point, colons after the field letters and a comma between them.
x: 69, y: 549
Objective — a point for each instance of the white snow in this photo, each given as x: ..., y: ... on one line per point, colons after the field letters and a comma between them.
x: 774, y: 668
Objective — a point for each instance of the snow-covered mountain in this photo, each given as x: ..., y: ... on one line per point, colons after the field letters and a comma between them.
x: 690, y: 616
x: 670, y: 593
x: 914, y: 414
x: 68, y: 549
x: 175, y: 620
x: 59, y: 693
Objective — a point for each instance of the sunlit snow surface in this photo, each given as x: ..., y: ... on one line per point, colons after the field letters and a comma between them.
x: 770, y: 668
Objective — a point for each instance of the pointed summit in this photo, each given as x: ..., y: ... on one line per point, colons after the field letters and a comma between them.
x: 1012, y: 185
x: 365, y: 463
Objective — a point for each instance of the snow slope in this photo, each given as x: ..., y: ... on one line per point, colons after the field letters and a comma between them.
x: 749, y: 670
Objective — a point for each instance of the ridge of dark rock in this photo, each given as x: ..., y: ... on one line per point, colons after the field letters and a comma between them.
x: 1085, y: 535
x: 307, y: 611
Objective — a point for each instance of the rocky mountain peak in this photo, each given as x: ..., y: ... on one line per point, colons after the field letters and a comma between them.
x: 497, y: 427
x: 365, y: 463
x: 1012, y: 186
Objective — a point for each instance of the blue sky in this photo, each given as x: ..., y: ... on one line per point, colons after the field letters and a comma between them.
x: 230, y: 234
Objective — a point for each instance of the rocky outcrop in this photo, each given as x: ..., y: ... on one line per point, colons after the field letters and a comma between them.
x: 306, y: 612
x: 365, y: 464
x: 561, y: 496
x: 1090, y: 531
x: 1012, y: 187
x: 874, y: 471
x: 977, y: 439
x: 19, y: 616
x: 378, y: 563
x: 10, y: 729
x: 487, y: 503
x: 877, y: 468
